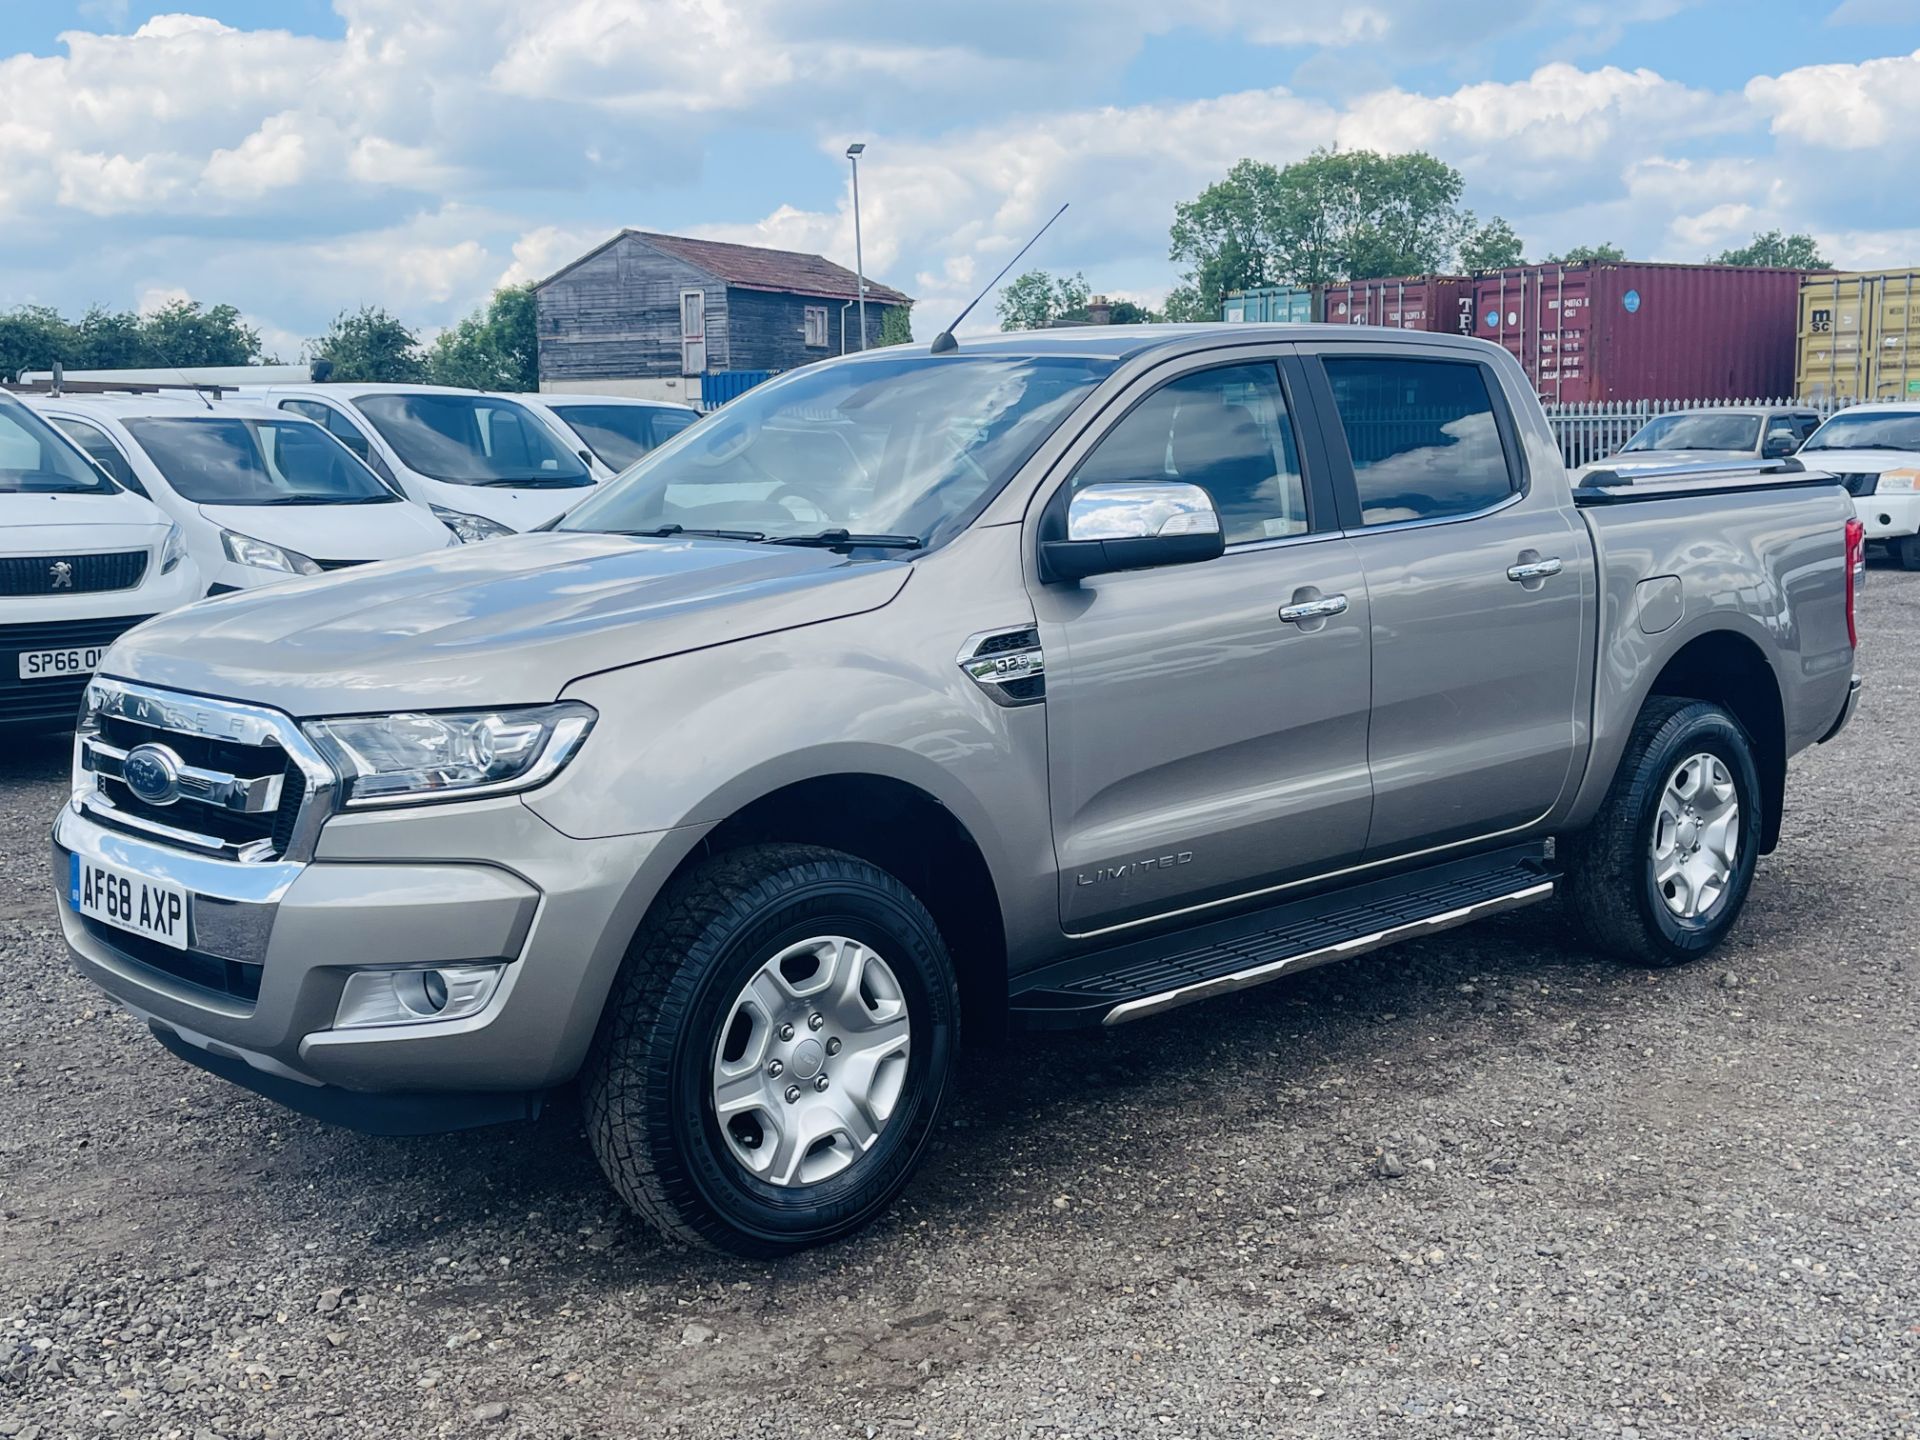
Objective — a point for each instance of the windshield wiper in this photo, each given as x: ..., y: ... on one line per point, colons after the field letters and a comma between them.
x: 534, y: 482
x: 660, y: 532
x: 847, y: 540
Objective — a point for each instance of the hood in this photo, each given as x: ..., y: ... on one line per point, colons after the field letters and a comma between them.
x: 44, y: 524
x: 1859, y: 462
x: 336, y: 532
x: 510, y: 621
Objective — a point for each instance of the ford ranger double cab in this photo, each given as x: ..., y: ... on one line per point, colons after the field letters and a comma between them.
x: 1046, y: 680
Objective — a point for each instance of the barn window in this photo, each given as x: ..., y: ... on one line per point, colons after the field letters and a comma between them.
x: 816, y: 327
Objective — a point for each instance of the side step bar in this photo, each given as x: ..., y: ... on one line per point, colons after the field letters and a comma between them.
x: 1146, y: 977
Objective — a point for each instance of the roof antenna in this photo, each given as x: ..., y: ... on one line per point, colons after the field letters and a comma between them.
x: 944, y: 341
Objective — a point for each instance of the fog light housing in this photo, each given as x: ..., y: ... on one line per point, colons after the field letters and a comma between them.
x: 417, y: 995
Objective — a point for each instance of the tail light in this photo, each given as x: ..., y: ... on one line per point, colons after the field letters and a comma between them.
x: 1856, y: 572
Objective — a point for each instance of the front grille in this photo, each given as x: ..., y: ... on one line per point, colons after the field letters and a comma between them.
x: 1858, y: 484
x: 71, y: 574
x: 211, y: 973
x: 232, y: 753
x: 54, y: 700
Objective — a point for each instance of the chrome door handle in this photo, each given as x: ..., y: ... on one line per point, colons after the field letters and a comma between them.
x: 1536, y: 570
x: 1314, y: 609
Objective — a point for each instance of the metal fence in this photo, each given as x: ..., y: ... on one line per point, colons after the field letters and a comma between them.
x: 1589, y: 432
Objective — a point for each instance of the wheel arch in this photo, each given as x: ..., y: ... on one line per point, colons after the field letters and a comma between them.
x: 1727, y: 668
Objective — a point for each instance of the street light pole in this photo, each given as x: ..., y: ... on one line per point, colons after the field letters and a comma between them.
x: 859, y: 263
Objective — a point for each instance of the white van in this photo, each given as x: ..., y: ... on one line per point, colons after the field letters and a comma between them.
x: 81, y: 561
x: 259, y: 494
x: 484, y: 464
x: 1875, y: 451
x: 610, y: 432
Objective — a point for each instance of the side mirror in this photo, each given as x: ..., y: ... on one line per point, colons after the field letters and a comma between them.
x: 1133, y: 527
x: 1780, y: 444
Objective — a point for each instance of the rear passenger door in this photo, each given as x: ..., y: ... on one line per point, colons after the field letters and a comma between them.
x: 1201, y: 746
x: 1479, y: 584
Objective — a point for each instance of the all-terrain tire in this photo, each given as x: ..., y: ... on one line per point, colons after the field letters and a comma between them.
x: 1610, y: 887
x: 1906, y: 550
x: 646, y: 1087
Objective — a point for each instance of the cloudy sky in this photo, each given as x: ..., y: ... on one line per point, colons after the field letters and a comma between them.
x: 296, y: 157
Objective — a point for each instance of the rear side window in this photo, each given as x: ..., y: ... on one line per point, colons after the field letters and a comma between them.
x: 1423, y: 436
x: 1225, y: 430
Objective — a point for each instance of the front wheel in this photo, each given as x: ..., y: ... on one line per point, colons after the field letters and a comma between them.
x: 774, y: 1055
x: 1907, y: 551
x: 1661, y: 875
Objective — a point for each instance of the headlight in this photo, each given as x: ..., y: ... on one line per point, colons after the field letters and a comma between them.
x: 173, y: 551
x: 413, y: 757
x: 245, y: 550
x: 1898, y: 480
x: 470, y: 529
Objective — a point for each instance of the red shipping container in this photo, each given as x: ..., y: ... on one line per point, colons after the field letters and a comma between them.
x: 1405, y: 302
x: 1593, y: 332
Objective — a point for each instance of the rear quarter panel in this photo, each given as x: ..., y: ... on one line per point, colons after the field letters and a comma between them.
x: 1767, y: 565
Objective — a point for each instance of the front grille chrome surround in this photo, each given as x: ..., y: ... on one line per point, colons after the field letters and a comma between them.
x: 245, y: 818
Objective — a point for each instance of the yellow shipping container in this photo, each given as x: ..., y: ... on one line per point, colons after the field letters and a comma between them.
x: 1858, y: 335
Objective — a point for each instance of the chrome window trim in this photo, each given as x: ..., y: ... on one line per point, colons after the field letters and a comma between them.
x: 215, y: 719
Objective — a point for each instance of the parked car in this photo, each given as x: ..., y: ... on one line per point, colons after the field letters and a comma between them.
x: 610, y: 432
x: 81, y: 562
x: 486, y: 465
x: 260, y: 495
x: 1875, y: 450
x: 1148, y: 663
x: 1726, y: 432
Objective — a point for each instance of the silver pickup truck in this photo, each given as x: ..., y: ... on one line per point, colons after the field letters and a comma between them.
x: 1056, y: 680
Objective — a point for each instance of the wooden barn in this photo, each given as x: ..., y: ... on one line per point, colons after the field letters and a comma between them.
x: 666, y: 316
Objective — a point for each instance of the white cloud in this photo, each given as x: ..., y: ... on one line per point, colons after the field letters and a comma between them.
x: 1844, y: 107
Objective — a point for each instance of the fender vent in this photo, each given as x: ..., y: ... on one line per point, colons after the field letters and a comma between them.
x: 1008, y: 664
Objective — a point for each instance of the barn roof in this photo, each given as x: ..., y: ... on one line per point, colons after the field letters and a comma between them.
x: 754, y: 267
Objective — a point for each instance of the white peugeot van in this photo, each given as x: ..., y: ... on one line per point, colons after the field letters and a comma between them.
x: 484, y: 464
x: 81, y: 561
x: 610, y: 432
x: 259, y: 494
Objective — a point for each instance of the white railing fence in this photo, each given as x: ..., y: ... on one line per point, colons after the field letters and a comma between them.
x: 1589, y: 432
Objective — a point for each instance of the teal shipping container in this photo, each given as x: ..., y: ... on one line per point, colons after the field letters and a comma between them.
x: 1275, y: 305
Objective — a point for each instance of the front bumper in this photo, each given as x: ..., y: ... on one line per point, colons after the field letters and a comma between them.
x: 1888, y: 516
x: 501, y: 885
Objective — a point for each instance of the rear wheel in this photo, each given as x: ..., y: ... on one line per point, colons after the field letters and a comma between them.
x: 1907, y: 551
x: 775, y: 1052
x: 1663, y: 872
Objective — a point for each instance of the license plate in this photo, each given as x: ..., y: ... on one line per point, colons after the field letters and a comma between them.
x: 127, y: 901
x: 48, y: 664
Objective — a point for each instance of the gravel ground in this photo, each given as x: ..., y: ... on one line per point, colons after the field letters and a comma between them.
x: 1482, y: 1186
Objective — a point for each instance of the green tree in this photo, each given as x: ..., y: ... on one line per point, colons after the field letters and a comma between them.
x: 1492, y: 246
x: 33, y: 337
x: 109, y: 340
x: 1784, y: 252
x: 1125, y: 312
x: 1336, y: 215
x: 1036, y: 299
x: 497, y: 348
x: 896, y: 325
x: 1605, y: 253
x: 369, y: 344
x: 182, y: 333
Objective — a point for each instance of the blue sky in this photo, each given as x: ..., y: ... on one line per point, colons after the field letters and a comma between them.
x: 302, y: 156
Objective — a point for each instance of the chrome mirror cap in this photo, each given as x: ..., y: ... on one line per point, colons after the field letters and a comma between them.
x: 1140, y: 511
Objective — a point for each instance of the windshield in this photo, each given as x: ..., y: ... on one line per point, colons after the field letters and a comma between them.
x: 618, y: 435
x: 1698, y: 432
x: 473, y: 440
x: 876, y: 447
x: 1867, y: 432
x: 35, y: 459
x: 275, y: 460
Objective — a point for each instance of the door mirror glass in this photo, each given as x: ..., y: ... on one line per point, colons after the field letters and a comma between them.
x: 1120, y: 526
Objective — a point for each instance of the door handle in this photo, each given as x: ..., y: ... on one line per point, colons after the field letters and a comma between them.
x: 1314, y: 609
x: 1534, y: 569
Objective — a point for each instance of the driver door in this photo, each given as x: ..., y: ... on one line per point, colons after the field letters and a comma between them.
x: 1201, y: 747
